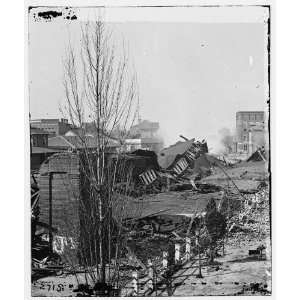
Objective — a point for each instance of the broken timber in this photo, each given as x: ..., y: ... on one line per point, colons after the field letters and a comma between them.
x: 179, y: 167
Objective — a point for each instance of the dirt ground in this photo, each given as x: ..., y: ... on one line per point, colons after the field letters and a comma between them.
x: 246, y: 175
x: 236, y: 274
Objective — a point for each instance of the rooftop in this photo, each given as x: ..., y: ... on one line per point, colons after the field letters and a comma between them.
x: 168, y: 203
x: 168, y: 155
x: 40, y: 150
x: 34, y: 130
x: 49, y: 121
x: 250, y: 111
x: 76, y: 142
x: 146, y: 125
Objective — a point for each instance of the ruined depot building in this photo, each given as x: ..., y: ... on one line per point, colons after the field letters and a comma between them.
x: 65, y: 191
x: 62, y: 173
x: 63, y: 186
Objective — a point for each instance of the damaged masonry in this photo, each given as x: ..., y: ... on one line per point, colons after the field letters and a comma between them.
x: 146, y: 180
x: 174, y: 215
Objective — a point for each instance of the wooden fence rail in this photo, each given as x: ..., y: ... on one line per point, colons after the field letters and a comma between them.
x: 149, y: 284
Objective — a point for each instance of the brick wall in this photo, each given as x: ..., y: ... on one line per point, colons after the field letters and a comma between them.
x: 65, y: 192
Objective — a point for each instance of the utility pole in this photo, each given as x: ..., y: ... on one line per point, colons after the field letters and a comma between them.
x: 51, y: 208
x: 199, y: 257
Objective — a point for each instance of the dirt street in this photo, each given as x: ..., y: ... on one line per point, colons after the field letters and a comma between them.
x: 236, y: 274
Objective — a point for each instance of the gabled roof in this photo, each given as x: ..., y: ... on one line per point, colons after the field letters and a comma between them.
x: 59, y: 142
x: 74, y: 131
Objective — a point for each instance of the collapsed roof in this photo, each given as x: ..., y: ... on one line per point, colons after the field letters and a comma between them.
x: 258, y: 155
x: 168, y: 155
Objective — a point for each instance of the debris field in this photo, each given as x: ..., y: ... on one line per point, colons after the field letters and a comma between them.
x: 171, y: 250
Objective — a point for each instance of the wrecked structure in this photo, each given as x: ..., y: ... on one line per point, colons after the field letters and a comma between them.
x: 175, y: 160
x: 64, y: 189
x: 163, y: 202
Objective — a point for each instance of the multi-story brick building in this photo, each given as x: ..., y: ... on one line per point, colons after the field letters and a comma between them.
x: 245, y: 120
x: 39, y: 150
x: 38, y: 137
x: 250, y: 131
x: 147, y: 132
x: 52, y: 126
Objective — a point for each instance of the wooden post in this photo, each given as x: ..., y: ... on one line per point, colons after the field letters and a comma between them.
x: 155, y: 281
x: 165, y: 259
x: 50, y: 213
x: 187, y: 248
x: 135, y: 283
x: 168, y: 184
x: 197, y: 238
x: 177, y: 253
x: 199, y: 263
x: 51, y: 208
x: 150, y: 274
x: 223, y: 246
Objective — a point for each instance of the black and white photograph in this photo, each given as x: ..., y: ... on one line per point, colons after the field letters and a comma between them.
x: 150, y: 149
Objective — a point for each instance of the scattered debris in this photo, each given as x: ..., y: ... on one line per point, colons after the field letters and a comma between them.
x: 258, y: 155
x: 170, y: 204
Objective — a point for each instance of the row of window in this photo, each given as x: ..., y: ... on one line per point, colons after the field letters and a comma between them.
x: 243, y: 147
x: 49, y: 128
x: 39, y: 141
x: 250, y: 117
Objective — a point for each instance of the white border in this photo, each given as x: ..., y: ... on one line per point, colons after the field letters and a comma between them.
x: 115, y: 3
x: 118, y: 3
x: 165, y: 14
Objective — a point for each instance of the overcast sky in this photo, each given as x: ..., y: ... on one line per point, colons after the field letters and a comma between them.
x: 195, y: 71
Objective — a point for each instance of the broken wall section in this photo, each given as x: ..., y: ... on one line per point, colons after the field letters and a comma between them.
x: 59, y: 184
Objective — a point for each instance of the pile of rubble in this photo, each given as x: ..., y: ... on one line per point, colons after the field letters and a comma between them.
x: 253, y: 221
x: 168, y: 204
x: 253, y: 288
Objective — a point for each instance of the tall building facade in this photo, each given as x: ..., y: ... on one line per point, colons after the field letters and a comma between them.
x: 250, y: 131
x: 38, y: 137
x: 147, y: 132
x: 52, y: 126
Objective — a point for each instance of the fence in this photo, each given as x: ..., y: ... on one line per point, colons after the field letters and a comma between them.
x: 157, y: 276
